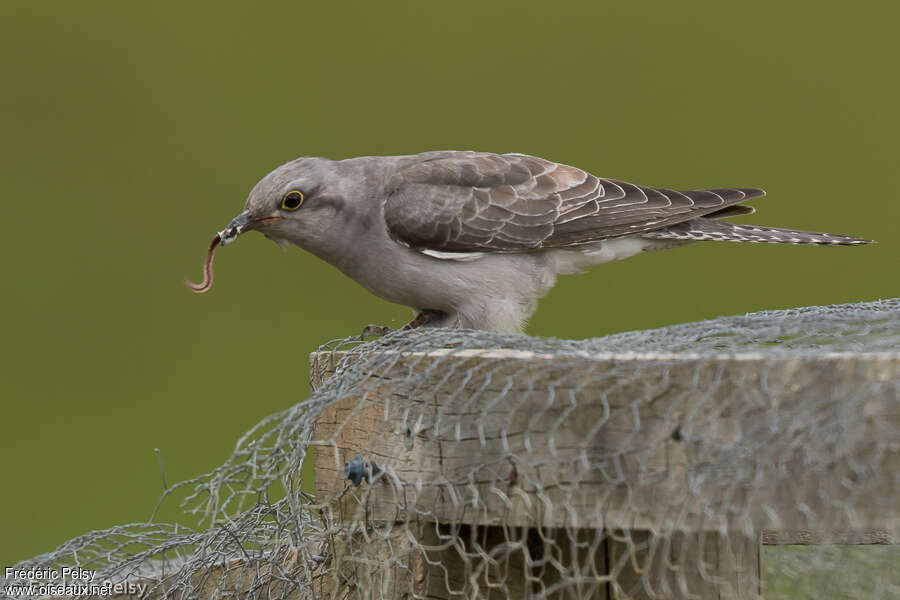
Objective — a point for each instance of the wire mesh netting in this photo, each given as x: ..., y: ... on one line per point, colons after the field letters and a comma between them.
x: 724, y: 459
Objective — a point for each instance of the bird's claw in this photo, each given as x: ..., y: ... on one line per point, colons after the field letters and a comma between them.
x: 374, y: 331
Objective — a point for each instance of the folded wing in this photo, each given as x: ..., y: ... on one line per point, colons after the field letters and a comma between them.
x: 481, y: 202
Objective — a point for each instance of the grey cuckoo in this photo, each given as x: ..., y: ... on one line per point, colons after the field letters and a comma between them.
x: 473, y: 239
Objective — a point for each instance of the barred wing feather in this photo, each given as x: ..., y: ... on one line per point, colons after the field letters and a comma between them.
x: 481, y: 202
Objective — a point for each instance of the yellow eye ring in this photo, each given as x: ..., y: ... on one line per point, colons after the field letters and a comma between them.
x: 292, y: 200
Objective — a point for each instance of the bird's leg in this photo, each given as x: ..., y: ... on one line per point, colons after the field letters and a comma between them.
x: 425, y: 317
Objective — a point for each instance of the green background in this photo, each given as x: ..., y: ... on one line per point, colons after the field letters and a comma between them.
x: 131, y: 132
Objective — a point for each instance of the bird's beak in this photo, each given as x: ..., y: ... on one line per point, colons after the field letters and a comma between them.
x: 237, y: 226
x: 241, y: 223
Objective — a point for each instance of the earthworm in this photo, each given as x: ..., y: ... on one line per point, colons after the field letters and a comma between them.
x: 199, y: 288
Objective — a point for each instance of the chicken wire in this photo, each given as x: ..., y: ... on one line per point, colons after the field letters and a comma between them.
x: 470, y: 464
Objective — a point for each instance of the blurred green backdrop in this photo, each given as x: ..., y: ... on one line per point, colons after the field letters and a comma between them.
x: 132, y: 132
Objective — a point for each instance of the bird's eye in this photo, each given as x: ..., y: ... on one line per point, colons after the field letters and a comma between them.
x: 292, y: 200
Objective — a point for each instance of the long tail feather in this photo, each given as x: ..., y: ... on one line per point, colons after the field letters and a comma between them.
x: 711, y: 230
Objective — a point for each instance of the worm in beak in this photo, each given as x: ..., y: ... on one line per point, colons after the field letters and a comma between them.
x: 203, y: 286
x: 238, y: 225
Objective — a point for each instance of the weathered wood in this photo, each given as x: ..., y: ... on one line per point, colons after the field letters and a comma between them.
x: 597, y: 442
x: 386, y: 561
x: 707, y: 566
x: 805, y: 537
x: 427, y: 560
x: 568, y: 564
x: 592, y: 454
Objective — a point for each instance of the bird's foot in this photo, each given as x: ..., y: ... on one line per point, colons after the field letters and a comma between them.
x: 374, y: 331
x: 425, y: 317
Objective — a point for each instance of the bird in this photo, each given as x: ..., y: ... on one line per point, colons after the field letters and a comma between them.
x: 473, y: 239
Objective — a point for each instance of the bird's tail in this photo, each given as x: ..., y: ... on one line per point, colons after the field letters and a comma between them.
x: 711, y: 230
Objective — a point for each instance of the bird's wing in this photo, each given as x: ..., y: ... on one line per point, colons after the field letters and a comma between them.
x: 480, y: 202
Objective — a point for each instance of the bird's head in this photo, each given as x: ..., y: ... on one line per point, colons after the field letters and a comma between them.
x: 295, y: 203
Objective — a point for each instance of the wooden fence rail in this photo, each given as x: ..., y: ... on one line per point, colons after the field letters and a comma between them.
x: 494, y: 491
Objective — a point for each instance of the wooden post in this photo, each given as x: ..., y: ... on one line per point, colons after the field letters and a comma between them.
x: 600, y: 476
